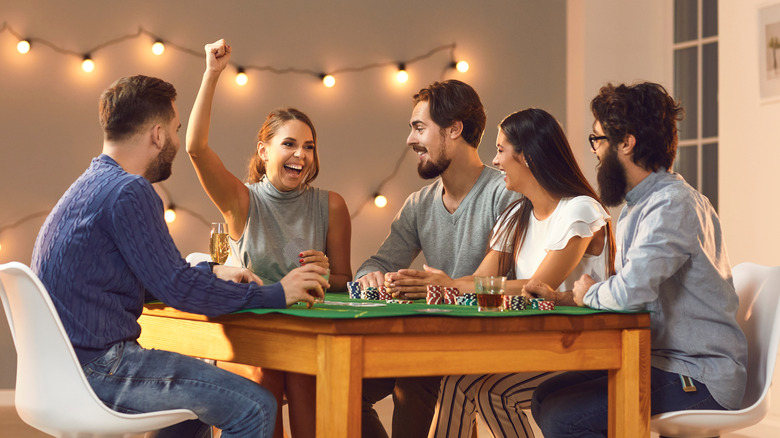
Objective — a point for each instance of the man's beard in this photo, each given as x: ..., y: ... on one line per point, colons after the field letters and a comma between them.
x: 432, y: 169
x: 160, y: 169
x: 611, y: 176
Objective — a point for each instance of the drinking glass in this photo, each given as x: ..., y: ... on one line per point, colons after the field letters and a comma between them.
x: 490, y: 293
x: 219, y: 248
x: 314, y: 294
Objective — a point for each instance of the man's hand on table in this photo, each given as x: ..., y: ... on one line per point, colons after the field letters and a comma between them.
x: 235, y: 274
x: 536, y: 289
x: 305, y: 284
x: 413, y: 284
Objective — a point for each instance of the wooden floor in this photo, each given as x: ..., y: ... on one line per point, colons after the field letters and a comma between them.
x: 12, y: 426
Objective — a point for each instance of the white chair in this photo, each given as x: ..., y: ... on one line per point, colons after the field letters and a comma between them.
x: 52, y: 393
x: 758, y: 288
x: 194, y: 258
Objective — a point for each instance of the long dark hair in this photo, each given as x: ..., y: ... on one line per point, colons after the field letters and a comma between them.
x: 539, y: 137
x: 273, y: 122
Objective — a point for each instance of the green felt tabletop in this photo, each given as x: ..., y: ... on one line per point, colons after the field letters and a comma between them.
x: 340, y: 306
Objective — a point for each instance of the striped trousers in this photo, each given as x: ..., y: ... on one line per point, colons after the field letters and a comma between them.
x: 499, y: 399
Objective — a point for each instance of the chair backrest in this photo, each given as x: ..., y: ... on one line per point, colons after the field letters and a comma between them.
x: 194, y: 258
x: 758, y: 288
x: 48, y: 374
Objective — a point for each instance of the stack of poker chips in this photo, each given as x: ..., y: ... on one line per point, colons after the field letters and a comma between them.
x: 467, y: 299
x: 442, y: 295
x: 354, y: 290
x: 435, y: 294
x: 371, y: 293
x: 514, y: 302
x: 535, y: 302
x: 384, y: 294
x: 546, y: 305
x: 450, y: 295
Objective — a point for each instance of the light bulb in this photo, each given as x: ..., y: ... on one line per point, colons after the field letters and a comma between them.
x: 23, y: 46
x: 462, y: 66
x: 402, y: 76
x: 158, y: 48
x: 241, y: 77
x: 1, y: 247
x: 170, y: 215
x: 88, y: 65
x: 328, y: 80
x: 380, y: 201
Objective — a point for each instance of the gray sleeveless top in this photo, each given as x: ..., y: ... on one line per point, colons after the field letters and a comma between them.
x: 278, y: 227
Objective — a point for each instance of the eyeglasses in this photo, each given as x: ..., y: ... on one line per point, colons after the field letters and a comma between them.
x: 593, y: 138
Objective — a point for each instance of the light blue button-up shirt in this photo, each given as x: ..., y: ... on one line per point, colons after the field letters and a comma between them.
x: 672, y: 261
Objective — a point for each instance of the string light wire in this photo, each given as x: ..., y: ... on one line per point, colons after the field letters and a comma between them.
x: 82, y: 55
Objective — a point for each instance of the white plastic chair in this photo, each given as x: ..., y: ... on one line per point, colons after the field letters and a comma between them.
x: 758, y: 288
x: 194, y: 258
x: 52, y: 393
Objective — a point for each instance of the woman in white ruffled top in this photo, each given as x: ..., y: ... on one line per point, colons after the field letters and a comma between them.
x: 556, y: 232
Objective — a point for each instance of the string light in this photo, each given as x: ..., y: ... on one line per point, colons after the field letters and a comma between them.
x: 158, y: 47
x: 170, y: 214
x: 23, y: 46
x: 328, y: 80
x: 402, y: 76
x: 88, y: 64
x: 241, y: 78
x: 380, y: 200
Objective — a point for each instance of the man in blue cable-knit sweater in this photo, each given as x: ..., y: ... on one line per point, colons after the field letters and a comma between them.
x: 105, y: 245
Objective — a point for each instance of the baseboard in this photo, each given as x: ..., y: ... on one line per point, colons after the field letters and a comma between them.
x: 6, y: 397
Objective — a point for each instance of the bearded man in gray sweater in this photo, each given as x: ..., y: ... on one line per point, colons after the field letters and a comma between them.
x: 448, y: 220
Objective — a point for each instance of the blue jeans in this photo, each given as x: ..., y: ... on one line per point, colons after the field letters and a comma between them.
x: 574, y: 404
x: 131, y: 379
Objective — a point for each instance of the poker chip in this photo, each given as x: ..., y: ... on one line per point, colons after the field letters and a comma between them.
x: 466, y: 301
x: 393, y: 301
x: 383, y: 294
x: 435, y: 295
x: 354, y: 290
x: 449, y: 294
x: 547, y: 305
x: 514, y: 302
x: 371, y: 293
x: 535, y: 303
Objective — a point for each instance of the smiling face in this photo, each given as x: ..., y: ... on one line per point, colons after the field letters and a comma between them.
x: 289, y: 155
x: 428, y: 141
x: 516, y: 173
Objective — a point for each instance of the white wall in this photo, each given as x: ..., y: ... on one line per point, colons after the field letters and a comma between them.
x: 619, y: 41
x: 48, y: 106
x: 750, y: 145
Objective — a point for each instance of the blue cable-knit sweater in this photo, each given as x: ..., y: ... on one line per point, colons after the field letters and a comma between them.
x: 105, y: 244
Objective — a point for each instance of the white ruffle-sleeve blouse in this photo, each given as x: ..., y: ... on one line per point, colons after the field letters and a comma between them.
x: 580, y: 216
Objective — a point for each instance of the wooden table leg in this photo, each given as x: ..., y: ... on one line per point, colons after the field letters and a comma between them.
x: 629, y: 388
x: 339, y: 385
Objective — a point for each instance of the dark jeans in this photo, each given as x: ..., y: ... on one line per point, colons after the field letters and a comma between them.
x: 131, y: 379
x: 414, y: 401
x: 574, y: 404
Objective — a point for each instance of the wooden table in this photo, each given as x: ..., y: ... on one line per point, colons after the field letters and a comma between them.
x: 341, y: 352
